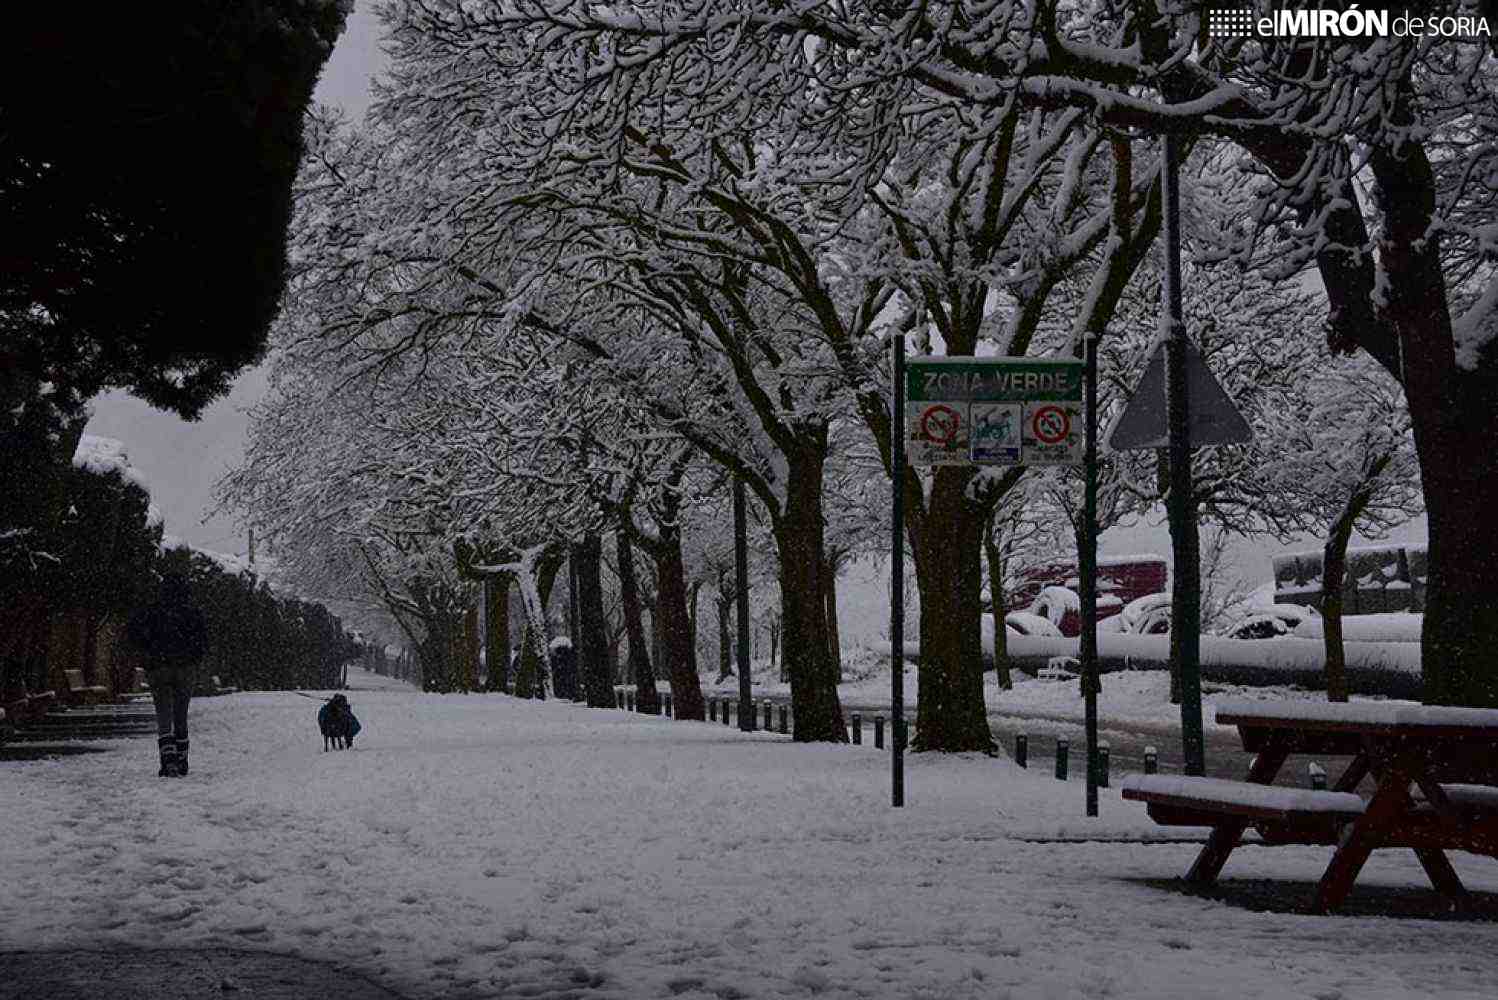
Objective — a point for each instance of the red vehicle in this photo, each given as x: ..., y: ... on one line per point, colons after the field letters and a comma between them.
x: 1121, y: 579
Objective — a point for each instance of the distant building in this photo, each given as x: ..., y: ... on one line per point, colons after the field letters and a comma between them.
x: 1379, y: 578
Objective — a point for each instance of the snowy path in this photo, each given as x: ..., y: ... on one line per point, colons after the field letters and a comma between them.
x: 480, y: 846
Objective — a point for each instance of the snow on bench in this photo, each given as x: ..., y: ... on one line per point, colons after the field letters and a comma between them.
x: 1483, y: 797
x: 1241, y: 798
x: 1479, y: 799
x: 1362, y: 713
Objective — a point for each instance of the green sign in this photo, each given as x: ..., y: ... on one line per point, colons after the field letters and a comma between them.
x: 994, y: 380
x: 993, y: 411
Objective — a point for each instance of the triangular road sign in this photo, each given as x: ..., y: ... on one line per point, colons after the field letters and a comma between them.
x: 1213, y: 417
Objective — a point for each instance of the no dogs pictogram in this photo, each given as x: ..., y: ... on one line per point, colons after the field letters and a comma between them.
x: 940, y: 424
x: 1051, y: 424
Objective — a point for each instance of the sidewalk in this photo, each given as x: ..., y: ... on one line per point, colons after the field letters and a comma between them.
x: 170, y: 974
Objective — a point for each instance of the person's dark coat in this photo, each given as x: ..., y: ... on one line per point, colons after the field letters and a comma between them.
x: 171, y: 631
x: 337, y: 718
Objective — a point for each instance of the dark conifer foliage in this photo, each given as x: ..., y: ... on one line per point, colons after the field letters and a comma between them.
x: 147, y: 153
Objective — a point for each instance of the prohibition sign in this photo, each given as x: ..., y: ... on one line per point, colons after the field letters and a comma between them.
x: 939, y: 424
x: 1051, y: 425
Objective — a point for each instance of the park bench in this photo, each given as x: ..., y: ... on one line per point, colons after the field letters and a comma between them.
x: 80, y: 692
x: 140, y: 688
x: 1435, y: 772
x: 23, y: 706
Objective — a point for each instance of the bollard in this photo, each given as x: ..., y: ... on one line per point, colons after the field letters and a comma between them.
x: 727, y: 706
x: 878, y: 732
x: 769, y: 721
x: 857, y: 729
x: 1151, y: 760
x: 1063, y: 748
x: 785, y: 720
x: 1104, y: 751
x: 1022, y: 750
x: 1318, y: 776
x: 669, y: 714
x: 712, y: 710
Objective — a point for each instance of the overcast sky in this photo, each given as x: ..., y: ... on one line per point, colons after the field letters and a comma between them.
x: 183, y: 460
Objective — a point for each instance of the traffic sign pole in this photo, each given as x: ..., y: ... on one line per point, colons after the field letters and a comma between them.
x: 897, y: 576
x: 741, y: 585
x: 1087, y: 569
x: 1185, y: 616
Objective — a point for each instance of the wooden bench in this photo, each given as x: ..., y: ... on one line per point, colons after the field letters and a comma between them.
x: 1435, y: 774
x: 24, y: 705
x: 1279, y: 814
x: 82, y: 693
x: 140, y: 687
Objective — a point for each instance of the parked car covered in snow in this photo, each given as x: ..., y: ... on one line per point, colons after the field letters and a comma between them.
x: 1147, y: 615
x: 1268, y: 621
x: 1025, y: 623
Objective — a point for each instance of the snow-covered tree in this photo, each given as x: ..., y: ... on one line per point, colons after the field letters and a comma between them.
x: 1374, y: 153
x: 1349, y: 454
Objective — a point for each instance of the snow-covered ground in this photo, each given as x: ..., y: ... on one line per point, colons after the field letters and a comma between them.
x: 483, y: 846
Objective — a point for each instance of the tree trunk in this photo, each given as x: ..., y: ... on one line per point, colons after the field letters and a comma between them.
x: 693, y: 593
x: 774, y: 631
x: 951, y: 716
x: 497, y: 626
x: 535, y: 592
x: 592, y: 655
x: 92, y: 621
x: 471, y: 649
x: 1333, y: 571
x: 724, y: 604
x: 639, y: 659
x: 676, y: 627
x: 439, y: 666
x: 657, y: 651
x: 529, y: 677
x: 807, y: 646
x: 834, y: 639
x: 996, y: 609
x: 1454, y: 411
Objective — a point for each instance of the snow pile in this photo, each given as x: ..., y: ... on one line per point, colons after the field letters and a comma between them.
x: 102, y: 455
x: 1389, y: 627
x: 481, y: 846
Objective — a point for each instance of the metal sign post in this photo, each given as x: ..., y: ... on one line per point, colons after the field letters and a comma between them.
x: 1185, y: 574
x: 897, y: 576
x: 741, y: 578
x: 999, y: 411
x: 1087, y: 570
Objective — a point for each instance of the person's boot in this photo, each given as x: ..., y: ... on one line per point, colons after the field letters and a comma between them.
x: 181, y: 757
x: 168, y: 747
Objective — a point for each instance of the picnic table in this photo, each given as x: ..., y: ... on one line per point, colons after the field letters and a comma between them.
x: 1434, y: 772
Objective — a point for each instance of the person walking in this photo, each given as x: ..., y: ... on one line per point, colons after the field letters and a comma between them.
x: 173, y: 635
